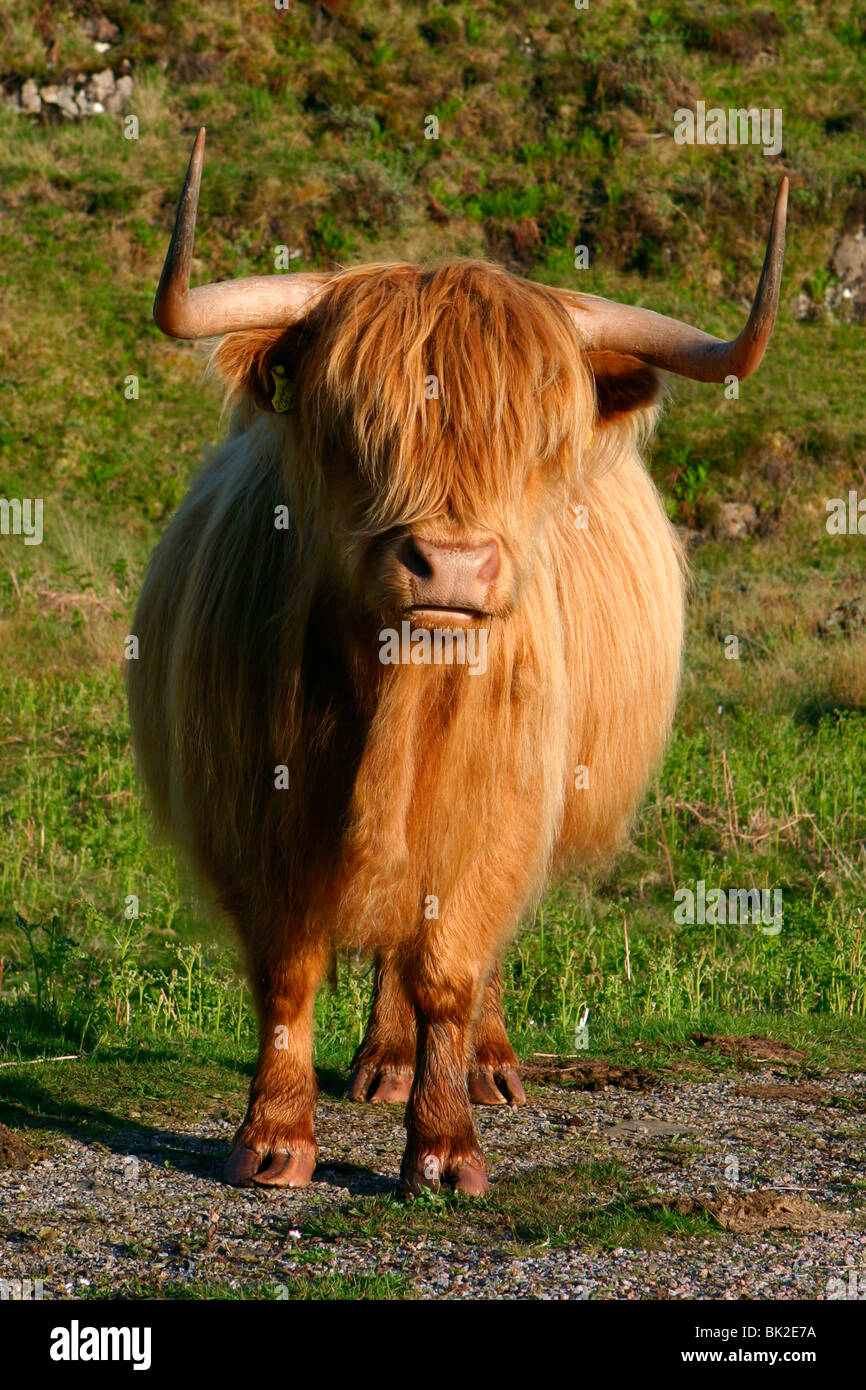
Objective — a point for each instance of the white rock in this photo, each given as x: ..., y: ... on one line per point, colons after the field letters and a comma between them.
x: 101, y: 84
x: 118, y: 100
x: 61, y: 97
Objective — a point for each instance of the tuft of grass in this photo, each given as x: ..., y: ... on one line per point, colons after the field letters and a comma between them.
x: 332, y: 1286
x: 591, y: 1204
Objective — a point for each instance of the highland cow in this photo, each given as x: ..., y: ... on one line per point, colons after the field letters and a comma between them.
x: 457, y: 449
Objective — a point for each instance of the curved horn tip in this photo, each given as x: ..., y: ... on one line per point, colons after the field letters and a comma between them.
x: 196, y: 159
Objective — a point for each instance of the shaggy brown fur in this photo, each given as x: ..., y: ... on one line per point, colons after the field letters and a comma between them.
x: 426, y: 806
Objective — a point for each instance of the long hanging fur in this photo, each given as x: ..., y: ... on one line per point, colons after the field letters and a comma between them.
x: 258, y: 643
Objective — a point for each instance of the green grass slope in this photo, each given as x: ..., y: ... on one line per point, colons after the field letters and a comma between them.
x: 555, y: 128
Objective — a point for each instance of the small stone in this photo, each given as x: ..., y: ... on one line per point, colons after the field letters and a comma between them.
x: 31, y: 101
x: 849, y: 264
x: 805, y: 309
x: 101, y: 84
x: 61, y: 97
x: 735, y: 520
x: 118, y: 100
x: 101, y: 30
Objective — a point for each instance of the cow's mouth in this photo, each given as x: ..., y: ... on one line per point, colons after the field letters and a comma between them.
x: 438, y: 613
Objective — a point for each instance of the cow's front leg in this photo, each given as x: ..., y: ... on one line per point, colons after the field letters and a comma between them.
x: 384, y: 1064
x: 276, y: 1145
x: 441, y: 1145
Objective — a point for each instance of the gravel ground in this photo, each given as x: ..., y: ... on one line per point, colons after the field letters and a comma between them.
x: 152, y: 1209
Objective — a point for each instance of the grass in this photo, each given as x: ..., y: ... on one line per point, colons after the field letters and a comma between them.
x: 315, y: 128
x: 340, y: 1287
x: 592, y: 1204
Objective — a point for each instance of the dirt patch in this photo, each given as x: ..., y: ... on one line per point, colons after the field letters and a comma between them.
x: 761, y: 1049
x: 749, y: 1213
x: 588, y: 1074
x: 804, y: 1092
x: 14, y: 1152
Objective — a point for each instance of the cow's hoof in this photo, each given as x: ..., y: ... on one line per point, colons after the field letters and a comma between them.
x: 496, y: 1085
x: 380, y: 1085
x: 270, y: 1168
x: 428, y: 1172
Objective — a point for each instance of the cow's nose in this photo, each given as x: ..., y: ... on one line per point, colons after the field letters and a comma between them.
x: 449, y: 576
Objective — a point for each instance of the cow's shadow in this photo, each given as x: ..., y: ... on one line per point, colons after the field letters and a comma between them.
x: 30, y: 1107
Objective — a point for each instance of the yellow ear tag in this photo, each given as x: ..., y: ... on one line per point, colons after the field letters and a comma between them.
x: 284, y: 391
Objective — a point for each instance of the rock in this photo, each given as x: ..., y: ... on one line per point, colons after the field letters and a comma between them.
x: 117, y: 101
x: 101, y: 29
x: 61, y: 97
x: 101, y: 85
x: 849, y: 263
x: 85, y: 96
x: 805, y: 308
x: 735, y: 520
x: 31, y: 101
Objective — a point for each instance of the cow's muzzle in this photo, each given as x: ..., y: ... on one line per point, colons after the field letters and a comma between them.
x: 451, y: 580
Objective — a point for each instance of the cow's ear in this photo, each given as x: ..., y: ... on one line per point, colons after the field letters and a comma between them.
x: 622, y: 385
x: 261, y: 364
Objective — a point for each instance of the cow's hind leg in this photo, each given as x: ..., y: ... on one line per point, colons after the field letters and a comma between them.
x: 494, y: 1076
x: 276, y: 1145
x: 383, y: 1066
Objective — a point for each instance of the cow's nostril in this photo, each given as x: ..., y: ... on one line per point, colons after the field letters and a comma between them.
x: 488, y: 561
x: 413, y: 559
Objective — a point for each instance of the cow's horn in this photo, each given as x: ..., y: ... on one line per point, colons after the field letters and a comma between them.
x: 261, y: 301
x: 605, y: 326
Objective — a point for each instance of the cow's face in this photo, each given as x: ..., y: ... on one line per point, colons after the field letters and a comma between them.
x: 429, y: 421
x: 432, y: 422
